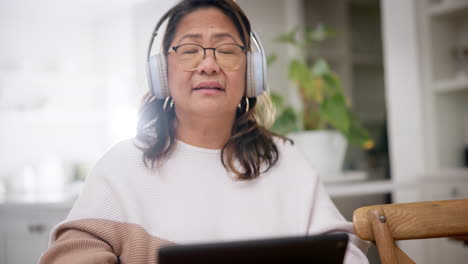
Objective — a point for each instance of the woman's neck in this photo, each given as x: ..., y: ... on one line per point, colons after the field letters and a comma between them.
x: 204, y: 132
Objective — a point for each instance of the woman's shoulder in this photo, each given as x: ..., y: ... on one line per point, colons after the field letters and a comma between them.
x: 291, y: 157
x: 282, y: 142
x: 286, y: 146
x: 122, y: 148
x: 292, y: 173
x: 120, y: 154
x: 110, y: 183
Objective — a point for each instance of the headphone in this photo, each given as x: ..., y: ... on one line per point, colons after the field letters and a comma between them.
x: 156, y: 67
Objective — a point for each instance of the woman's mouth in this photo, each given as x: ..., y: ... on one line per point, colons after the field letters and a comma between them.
x: 208, y: 90
x: 209, y: 87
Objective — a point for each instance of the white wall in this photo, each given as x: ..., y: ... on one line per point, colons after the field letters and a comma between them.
x: 66, y: 68
x: 403, y: 89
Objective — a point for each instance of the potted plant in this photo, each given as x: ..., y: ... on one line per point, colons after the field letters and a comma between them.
x: 326, y: 122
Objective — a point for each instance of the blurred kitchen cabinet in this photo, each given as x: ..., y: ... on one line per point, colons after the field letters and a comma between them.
x: 444, y: 65
x: 25, y: 229
x: 24, y: 247
x: 2, y: 249
x: 443, y: 29
x: 446, y: 187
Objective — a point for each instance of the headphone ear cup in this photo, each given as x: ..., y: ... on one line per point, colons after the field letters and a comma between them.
x: 256, y: 74
x: 157, y: 76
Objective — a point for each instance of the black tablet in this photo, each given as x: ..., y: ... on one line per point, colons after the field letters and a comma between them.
x: 326, y: 248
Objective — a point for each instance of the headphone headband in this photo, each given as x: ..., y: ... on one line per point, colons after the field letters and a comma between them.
x: 154, y: 34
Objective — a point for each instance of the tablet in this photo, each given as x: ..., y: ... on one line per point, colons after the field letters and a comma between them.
x: 325, y: 248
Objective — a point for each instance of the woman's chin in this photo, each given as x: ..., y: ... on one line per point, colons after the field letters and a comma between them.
x: 213, y: 110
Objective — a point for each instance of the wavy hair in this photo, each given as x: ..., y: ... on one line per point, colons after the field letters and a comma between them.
x: 251, y: 148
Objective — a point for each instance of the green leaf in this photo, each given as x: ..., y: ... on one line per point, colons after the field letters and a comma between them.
x: 320, y: 67
x: 276, y: 99
x: 317, y: 34
x: 286, y: 122
x: 270, y: 59
x: 289, y: 37
x: 316, y: 90
x: 357, y: 134
x: 333, y: 83
x: 308, y: 36
x: 335, y: 112
x: 299, y: 72
x: 286, y: 118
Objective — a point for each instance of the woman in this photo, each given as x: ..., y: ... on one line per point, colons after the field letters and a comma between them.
x: 202, y: 168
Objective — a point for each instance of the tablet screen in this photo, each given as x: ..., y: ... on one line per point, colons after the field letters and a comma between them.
x: 326, y: 248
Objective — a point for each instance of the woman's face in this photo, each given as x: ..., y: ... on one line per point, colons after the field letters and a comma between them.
x: 208, y: 90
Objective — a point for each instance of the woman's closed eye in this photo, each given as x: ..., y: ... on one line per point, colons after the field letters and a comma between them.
x: 189, y: 49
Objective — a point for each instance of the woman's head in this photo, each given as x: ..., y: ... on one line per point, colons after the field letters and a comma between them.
x: 206, y: 88
x: 205, y: 43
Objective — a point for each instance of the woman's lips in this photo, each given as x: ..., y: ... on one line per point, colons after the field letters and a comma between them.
x: 209, y: 87
x: 208, y: 91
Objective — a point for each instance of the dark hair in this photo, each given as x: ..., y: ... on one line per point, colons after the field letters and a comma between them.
x: 228, y: 7
x: 251, y: 144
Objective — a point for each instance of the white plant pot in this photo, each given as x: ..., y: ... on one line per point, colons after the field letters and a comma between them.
x: 324, y: 149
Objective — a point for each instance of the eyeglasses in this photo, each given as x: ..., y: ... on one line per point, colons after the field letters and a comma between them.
x: 227, y: 56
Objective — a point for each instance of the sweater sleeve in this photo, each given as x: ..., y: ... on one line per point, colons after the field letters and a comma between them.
x: 102, y: 241
x: 99, y: 229
x: 76, y: 246
x: 325, y: 218
x: 82, y: 236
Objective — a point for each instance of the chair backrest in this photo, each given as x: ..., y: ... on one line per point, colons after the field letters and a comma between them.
x: 383, y: 224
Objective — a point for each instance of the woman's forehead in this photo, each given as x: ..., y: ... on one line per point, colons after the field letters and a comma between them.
x: 206, y: 24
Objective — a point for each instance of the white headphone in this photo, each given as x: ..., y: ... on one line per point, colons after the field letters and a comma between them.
x: 157, y: 68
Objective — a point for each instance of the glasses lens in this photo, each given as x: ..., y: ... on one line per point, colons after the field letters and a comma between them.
x: 229, y: 56
x: 189, y: 56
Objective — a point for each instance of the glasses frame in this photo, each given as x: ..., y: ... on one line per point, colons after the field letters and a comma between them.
x: 243, y: 48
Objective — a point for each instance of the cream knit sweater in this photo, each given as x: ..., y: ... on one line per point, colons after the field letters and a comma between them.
x: 127, y: 211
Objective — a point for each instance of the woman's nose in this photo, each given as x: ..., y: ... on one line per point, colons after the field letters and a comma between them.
x: 208, y: 64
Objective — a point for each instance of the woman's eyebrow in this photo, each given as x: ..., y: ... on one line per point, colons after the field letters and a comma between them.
x: 223, y: 35
x: 215, y: 36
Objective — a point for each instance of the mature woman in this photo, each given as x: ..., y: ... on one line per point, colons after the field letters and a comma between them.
x: 202, y: 168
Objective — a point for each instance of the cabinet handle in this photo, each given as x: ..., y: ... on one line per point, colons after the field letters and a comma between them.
x: 36, y: 228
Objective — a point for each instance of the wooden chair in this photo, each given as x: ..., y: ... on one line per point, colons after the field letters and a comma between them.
x: 384, y: 224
